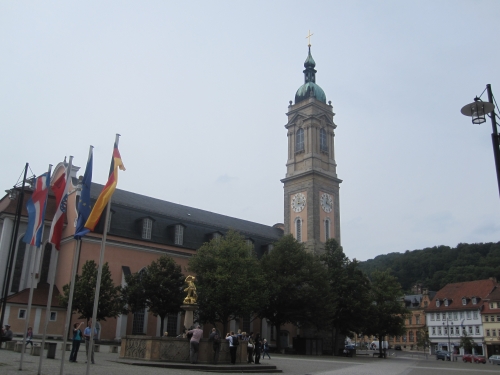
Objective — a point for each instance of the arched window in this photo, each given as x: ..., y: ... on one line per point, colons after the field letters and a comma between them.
x: 323, y: 143
x: 298, y: 229
x: 327, y: 229
x: 299, y: 140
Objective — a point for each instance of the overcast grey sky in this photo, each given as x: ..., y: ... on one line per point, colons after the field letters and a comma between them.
x: 199, y: 91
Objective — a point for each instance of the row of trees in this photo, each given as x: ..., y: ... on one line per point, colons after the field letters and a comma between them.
x: 437, y: 266
x: 288, y: 285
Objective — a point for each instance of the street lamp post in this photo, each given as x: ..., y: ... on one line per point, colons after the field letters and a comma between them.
x: 478, y: 111
x: 448, y: 332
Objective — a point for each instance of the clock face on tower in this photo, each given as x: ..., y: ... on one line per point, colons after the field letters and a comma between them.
x: 298, y: 202
x: 326, y: 201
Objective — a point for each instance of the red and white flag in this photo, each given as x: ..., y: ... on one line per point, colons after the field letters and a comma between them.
x: 60, y: 189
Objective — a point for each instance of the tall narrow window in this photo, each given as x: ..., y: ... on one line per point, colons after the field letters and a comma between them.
x: 327, y: 229
x: 138, y: 322
x: 147, y: 225
x: 299, y: 140
x: 323, y: 142
x: 179, y: 234
x: 172, y: 324
x: 298, y: 229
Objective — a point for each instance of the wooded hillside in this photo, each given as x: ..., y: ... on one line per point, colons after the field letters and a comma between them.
x: 437, y: 266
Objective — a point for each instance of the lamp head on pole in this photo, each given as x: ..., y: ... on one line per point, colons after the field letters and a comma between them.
x: 477, y: 110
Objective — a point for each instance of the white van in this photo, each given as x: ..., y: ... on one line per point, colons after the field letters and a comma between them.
x: 375, y: 345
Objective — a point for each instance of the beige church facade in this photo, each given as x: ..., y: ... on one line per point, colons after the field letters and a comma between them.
x: 141, y: 228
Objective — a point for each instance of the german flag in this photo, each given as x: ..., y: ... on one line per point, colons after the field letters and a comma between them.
x: 107, y: 192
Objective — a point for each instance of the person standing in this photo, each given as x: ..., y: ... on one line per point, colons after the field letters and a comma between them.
x: 77, y: 339
x: 250, y: 347
x: 194, y: 343
x: 89, y: 336
x: 215, y: 338
x: 29, y: 337
x: 258, y: 348
x: 265, y: 349
x: 233, y: 346
x: 7, y: 334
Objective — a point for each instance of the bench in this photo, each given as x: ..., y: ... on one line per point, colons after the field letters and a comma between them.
x: 10, y: 345
x: 18, y: 347
x: 36, y: 349
x: 113, y: 348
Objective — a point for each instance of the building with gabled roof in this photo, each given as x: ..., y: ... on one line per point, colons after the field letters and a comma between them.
x: 456, y: 309
x: 491, y: 322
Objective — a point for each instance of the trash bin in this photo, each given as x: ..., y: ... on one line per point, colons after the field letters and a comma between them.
x: 51, y: 351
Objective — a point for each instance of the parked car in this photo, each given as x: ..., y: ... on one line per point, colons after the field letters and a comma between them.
x: 442, y: 354
x: 478, y: 359
x: 494, y: 359
x: 350, y: 346
x: 397, y: 347
x: 467, y: 358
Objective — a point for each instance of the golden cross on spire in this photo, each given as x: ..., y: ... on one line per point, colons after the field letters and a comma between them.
x: 309, y: 37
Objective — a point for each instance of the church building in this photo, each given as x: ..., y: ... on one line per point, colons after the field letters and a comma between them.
x: 141, y: 228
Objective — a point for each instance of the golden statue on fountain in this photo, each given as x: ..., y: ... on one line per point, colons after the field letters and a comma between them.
x: 191, y: 291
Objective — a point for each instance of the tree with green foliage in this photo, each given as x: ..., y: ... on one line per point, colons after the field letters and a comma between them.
x: 297, y: 286
x: 349, y: 292
x: 467, y: 342
x: 110, y: 296
x: 229, y: 280
x: 387, y: 313
x: 158, y: 287
x: 423, y: 338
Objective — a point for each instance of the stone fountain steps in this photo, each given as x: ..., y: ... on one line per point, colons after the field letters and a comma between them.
x: 209, y: 368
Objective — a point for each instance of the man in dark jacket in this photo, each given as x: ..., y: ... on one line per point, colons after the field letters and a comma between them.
x: 215, y: 338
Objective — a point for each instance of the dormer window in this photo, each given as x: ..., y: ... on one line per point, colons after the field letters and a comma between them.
x: 250, y: 245
x: 438, y: 303
x: 464, y: 301
x: 179, y: 234
x: 474, y: 300
x: 147, y: 226
x: 446, y: 301
x: 108, y: 227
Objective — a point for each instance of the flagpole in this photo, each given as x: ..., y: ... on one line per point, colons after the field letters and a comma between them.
x: 12, y: 247
x: 32, y: 286
x: 52, y: 281
x: 69, y: 311
x: 99, y: 274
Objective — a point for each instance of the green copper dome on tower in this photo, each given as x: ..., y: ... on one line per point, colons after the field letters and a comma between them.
x: 310, y: 88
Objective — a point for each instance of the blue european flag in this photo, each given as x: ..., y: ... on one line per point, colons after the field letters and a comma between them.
x: 84, y: 203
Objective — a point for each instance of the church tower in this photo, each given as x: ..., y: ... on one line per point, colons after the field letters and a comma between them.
x: 311, y: 186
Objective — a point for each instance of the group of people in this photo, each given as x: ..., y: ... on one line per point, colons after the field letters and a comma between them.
x: 78, y: 335
x: 255, y: 345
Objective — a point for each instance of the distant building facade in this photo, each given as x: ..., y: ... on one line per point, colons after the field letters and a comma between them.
x: 455, y: 309
x: 491, y: 322
x: 415, y: 324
